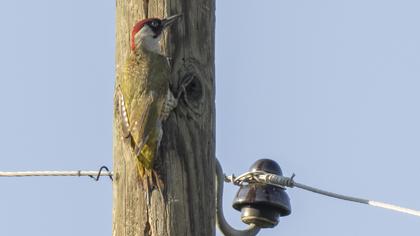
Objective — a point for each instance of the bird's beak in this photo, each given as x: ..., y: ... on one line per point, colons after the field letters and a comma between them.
x: 170, y: 20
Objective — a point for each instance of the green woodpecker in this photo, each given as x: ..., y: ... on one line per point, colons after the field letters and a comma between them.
x: 144, y: 97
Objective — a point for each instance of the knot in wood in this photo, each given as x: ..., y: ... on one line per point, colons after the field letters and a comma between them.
x: 191, y: 82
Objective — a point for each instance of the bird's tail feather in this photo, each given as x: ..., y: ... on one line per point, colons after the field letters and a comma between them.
x: 150, y: 178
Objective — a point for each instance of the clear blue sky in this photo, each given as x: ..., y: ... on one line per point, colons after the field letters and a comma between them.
x: 329, y: 89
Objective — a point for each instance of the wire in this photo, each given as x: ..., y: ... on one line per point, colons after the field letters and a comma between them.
x: 59, y: 173
x: 359, y: 200
x: 100, y: 172
x: 283, y: 182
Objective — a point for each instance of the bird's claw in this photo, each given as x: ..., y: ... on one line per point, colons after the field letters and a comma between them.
x: 183, y: 88
x: 170, y: 103
x: 170, y: 61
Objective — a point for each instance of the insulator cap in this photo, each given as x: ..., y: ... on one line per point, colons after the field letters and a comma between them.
x: 266, y: 165
x: 261, y: 204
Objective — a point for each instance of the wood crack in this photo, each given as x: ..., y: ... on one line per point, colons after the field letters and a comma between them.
x: 146, y: 8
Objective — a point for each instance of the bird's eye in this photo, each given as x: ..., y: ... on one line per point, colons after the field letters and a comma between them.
x: 154, y: 23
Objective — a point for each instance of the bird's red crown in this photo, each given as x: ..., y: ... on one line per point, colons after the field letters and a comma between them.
x: 137, y: 27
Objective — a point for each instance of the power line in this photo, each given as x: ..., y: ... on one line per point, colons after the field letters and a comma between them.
x: 281, y: 181
x: 103, y: 171
x: 248, y: 177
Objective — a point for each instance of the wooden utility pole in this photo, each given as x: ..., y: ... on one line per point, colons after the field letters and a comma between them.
x: 186, y: 205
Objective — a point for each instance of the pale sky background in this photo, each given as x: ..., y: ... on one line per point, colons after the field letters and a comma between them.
x: 329, y: 89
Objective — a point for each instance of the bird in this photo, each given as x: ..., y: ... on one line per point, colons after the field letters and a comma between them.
x: 144, y: 97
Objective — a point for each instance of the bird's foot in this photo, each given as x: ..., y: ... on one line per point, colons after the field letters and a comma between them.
x: 183, y: 89
x: 170, y: 61
x: 170, y: 103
